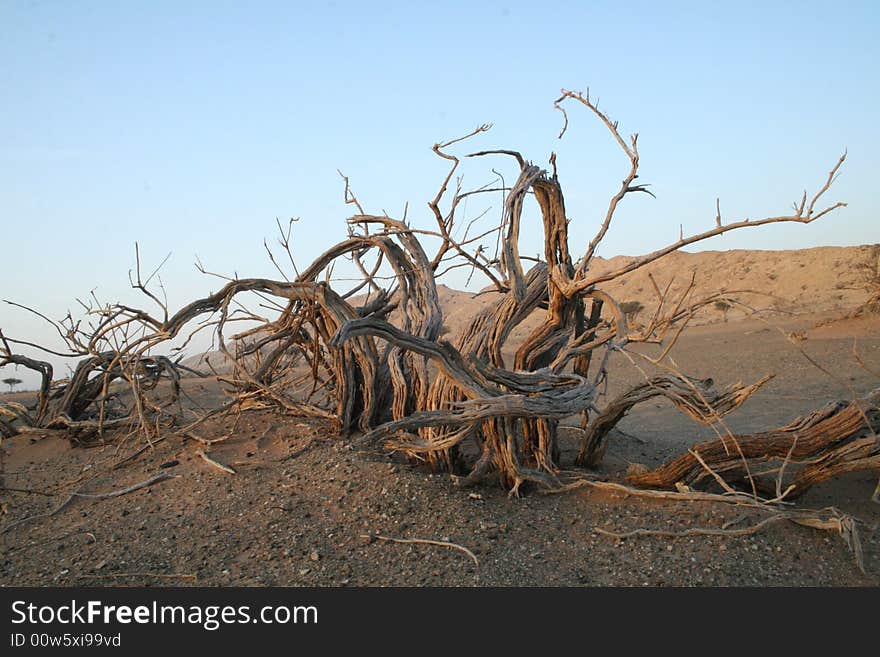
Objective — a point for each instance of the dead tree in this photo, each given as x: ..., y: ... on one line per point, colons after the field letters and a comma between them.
x: 512, y: 412
x: 377, y: 364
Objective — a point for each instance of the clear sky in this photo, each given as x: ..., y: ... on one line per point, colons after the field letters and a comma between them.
x: 189, y: 127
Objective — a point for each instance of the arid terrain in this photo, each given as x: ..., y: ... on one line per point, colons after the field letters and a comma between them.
x: 304, y: 507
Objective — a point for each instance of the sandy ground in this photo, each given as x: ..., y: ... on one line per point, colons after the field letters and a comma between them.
x: 301, y: 507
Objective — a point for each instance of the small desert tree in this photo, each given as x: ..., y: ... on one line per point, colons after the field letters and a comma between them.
x: 11, y: 382
x: 724, y: 307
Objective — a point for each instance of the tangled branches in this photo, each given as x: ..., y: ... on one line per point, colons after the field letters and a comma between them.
x: 378, y: 364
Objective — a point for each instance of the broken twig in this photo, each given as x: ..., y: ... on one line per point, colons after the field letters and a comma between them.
x: 425, y: 541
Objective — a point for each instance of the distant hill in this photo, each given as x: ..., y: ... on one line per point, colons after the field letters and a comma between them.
x: 818, y: 281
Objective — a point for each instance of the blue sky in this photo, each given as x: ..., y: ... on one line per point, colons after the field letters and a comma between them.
x: 190, y: 128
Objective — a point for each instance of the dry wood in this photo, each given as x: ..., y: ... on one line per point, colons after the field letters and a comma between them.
x: 204, y: 441
x: 379, y: 365
x: 825, y: 443
x: 216, y: 464
x: 162, y: 476
x: 828, y: 520
x: 696, y: 398
x: 425, y: 541
x: 152, y: 575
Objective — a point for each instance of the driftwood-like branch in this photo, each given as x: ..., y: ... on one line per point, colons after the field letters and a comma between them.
x: 215, y: 464
x: 823, y: 444
x: 425, y: 541
x: 155, y: 479
x: 827, y: 519
x: 696, y: 398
